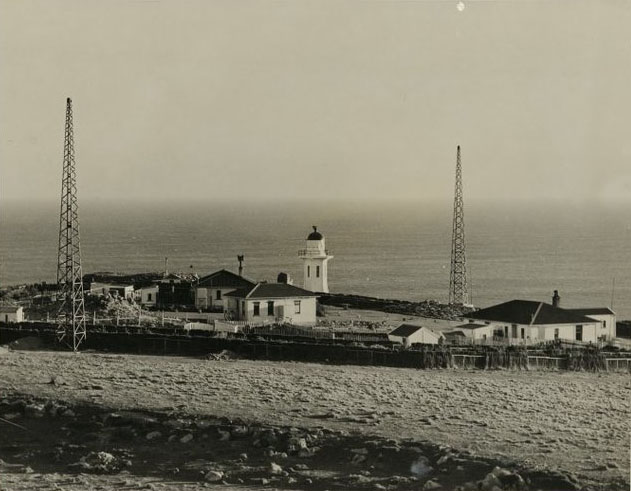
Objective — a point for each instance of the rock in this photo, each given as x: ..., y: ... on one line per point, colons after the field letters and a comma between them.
x: 275, y: 468
x: 152, y: 435
x: 97, y: 387
x: 240, y: 432
x: 243, y: 456
x: 213, y: 476
x: 68, y: 413
x: 379, y: 486
x: 224, y: 436
x: 186, y: 438
x: 431, y: 485
x: 57, y: 380
x: 359, y: 451
x: 34, y: 410
x: 420, y: 467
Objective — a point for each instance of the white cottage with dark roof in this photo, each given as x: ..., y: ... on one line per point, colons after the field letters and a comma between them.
x: 531, y: 321
x: 272, y: 302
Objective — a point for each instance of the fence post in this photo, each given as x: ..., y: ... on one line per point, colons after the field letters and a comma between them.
x: 117, y: 319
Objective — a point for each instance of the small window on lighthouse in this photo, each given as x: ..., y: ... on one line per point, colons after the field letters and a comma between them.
x: 317, y: 271
x: 308, y: 271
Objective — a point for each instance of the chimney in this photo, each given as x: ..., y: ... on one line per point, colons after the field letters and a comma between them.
x: 240, y: 259
x: 556, y: 300
x: 284, y: 278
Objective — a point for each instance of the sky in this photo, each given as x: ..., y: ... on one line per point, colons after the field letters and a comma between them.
x: 222, y: 100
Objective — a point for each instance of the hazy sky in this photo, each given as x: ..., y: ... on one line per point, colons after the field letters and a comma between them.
x: 330, y: 99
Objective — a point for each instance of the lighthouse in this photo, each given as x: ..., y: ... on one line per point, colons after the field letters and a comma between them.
x: 315, y: 258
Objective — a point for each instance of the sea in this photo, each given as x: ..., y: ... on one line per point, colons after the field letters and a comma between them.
x: 387, y: 250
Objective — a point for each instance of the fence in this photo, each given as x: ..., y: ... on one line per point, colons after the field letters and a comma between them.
x: 138, y: 340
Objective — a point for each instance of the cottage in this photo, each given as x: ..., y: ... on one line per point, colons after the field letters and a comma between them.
x: 526, y: 321
x: 272, y: 302
x: 211, y: 289
x: 11, y: 313
x: 148, y: 296
x: 409, y: 334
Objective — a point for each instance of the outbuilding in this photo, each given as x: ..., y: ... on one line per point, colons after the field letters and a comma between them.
x: 409, y: 334
x: 11, y: 313
x: 211, y: 289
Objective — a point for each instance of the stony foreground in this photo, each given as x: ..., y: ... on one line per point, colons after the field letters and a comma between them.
x: 372, y: 424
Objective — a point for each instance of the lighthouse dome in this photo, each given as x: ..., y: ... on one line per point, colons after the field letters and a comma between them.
x: 315, y: 235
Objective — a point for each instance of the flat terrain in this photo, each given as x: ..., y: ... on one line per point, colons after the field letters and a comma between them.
x: 577, y: 423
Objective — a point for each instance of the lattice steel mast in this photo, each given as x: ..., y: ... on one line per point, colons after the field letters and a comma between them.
x: 71, y: 316
x: 458, y: 292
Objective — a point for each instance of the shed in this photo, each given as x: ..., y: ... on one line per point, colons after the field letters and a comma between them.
x: 11, y: 313
x: 409, y: 334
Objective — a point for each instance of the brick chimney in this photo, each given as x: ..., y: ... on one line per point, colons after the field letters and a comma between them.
x: 556, y: 300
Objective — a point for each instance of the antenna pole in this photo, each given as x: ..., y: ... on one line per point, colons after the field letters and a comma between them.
x: 71, y: 315
x: 458, y: 292
x: 613, y: 290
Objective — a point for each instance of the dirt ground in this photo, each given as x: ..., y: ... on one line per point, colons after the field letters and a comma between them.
x: 573, y: 423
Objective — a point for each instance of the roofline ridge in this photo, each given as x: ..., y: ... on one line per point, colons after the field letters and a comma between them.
x: 534, y: 317
x: 253, y: 289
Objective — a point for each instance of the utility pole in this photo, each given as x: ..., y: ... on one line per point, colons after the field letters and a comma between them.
x: 71, y: 315
x: 458, y: 292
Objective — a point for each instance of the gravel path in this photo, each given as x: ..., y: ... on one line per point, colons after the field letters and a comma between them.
x: 573, y: 422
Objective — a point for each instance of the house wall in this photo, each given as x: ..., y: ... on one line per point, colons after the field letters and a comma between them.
x: 606, y: 327
x: 284, y: 309
x: 149, y: 296
x: 546, y: 332
x: 16, y: 316
x: 478, y: 333
x: 422, y: 336
x: 206, y: 298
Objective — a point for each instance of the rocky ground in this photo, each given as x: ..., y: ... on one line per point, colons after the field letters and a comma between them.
x: 95, y: 421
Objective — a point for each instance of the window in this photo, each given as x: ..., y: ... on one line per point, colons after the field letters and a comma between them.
x: 296, y: 306
x: 556, y: 333
x: 523, y: 333
x: 514, y: 331
x: 505, y: 331
x: 257, y: 308
x: 604, y: 324
x: 308, y: 271
x: 270, y: 308
x: 579, y: 333
x: 243, y: 308
x: 218, y: 294
x: 148, y: 297
x: 317, y: 271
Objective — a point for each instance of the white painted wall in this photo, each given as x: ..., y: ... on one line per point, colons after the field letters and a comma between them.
x: 284, y: 310
x: 207, y: 297
x: 16, y: 316
x: 315, y: 266
x: 423, y: 336
x: 149, y: 296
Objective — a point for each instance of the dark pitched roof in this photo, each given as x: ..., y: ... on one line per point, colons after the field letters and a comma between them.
x: 271, y: 290
x: 470, y: 325
x: 528, y: 312
x: 225, y: 278
x: 450, y: 334
x: 405, y: 330
x: 594, y: 311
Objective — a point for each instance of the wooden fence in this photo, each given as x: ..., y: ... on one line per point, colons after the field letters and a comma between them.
x: 138, y: 340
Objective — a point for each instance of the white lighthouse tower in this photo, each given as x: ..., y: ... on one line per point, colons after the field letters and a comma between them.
x: 315, y: 258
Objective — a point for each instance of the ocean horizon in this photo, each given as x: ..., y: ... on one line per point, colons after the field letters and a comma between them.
x: 382, y: 249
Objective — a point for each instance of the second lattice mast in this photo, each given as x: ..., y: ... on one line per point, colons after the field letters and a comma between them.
x: 71, y: 317
x: 458, y: 291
